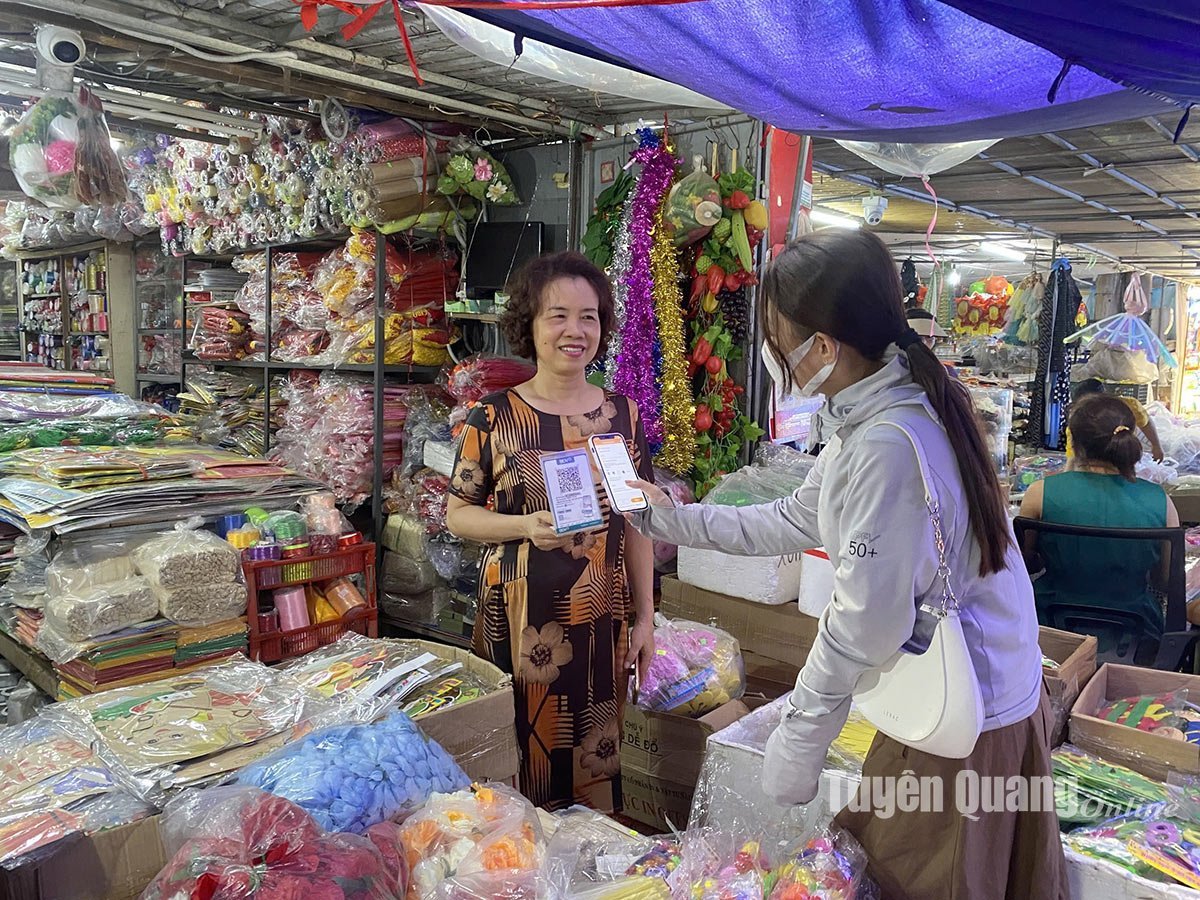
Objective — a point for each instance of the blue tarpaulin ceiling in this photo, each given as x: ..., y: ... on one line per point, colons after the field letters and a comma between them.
x: 902, y: 69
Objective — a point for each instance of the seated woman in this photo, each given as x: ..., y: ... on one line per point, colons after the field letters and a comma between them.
x: 1101, y: 491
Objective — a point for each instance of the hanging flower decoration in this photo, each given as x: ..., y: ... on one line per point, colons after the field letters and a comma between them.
x: 477, y: 174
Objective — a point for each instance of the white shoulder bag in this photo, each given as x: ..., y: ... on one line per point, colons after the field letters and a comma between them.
x: 927, y: 695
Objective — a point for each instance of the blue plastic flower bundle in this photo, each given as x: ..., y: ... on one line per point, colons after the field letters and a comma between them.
x: 352, y: 777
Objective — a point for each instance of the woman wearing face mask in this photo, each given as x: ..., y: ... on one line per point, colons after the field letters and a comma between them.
x: 831, y: 311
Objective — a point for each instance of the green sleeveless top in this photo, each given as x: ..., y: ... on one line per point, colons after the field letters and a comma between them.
x: 1111, y: 574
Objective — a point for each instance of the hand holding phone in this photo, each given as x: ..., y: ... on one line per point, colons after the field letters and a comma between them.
x: 616, y: 469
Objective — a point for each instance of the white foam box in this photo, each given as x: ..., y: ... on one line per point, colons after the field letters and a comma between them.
x: 816, y: 582
x: 773, y: 580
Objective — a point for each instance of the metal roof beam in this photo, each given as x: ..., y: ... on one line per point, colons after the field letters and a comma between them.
x: 922, y: 197
x: 309, y: 44
x: 1114, y: 172
x: 1185, y: 149
x: 119, y: 21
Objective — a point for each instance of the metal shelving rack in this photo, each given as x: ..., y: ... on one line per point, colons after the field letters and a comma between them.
x: 168, y: 278
x: 268, y: 367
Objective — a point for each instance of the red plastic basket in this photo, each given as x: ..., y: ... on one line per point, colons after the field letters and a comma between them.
x: 274, y: 646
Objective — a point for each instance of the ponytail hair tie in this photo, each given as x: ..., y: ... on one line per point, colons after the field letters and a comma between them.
x: 907, y: 338
x: 1119, y: 429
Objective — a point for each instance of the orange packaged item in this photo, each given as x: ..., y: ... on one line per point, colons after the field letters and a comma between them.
x: 343, y: 595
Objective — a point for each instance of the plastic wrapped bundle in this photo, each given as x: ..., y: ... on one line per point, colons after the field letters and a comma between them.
x: 829, y: 865
x: 236, y: 843
x: 202, y: 604
x: 152, y: 727
x: 185, y: 558
x: 462, y: 840
x: 589, y: 849
x: 696, y: 668
x: 352, y: 777
x: 101, y: 609
x: 54, y: 785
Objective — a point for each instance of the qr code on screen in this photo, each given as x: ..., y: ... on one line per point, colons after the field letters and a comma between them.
x: 569, y: 480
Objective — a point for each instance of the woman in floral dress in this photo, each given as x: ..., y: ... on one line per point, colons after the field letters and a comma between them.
x: 553, y: 611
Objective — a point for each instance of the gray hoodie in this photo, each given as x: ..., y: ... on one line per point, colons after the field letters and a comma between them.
x: 864, y: 503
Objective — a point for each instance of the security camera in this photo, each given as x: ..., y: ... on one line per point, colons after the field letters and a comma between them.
x: 60, y: 46
x: 873, y: 209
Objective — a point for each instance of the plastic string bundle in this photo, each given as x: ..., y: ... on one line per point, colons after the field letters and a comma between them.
x: 480, y: 376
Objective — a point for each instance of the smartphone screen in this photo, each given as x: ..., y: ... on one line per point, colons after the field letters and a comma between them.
x: 616, y: 468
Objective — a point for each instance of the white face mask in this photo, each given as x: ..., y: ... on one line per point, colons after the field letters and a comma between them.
x: 813, y: 386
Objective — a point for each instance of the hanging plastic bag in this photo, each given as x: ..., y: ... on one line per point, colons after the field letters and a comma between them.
x: 693, y: 206
x: 916, y: 160
x: 41, y: 151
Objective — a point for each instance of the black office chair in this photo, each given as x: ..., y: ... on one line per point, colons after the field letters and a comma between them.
x: 1120, y: 633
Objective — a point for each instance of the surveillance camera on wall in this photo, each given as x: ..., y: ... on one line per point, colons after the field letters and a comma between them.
x: 873, y: 209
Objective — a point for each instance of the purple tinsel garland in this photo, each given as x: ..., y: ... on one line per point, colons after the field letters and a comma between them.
x: 635, y: 372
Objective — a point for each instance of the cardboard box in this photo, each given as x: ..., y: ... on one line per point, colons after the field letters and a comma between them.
x: 110, y: 865
x: 769, y: 678
x: 661, y: 756
x: 1076, y: 658
x: 1150, y: 754
x: 480, y: 734
x: 781, y: 633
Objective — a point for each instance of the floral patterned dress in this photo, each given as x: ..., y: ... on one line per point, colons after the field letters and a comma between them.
x: 556, y: 620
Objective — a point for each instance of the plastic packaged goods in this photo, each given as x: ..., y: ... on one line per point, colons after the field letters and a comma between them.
x: 631, y: 887
x: 445, y: 692
x: 681, y: 492
x: 91, y: 612
x: 186, y: 557
x: 729, y: 789
x: 182, y: 718
x: 763, y: 482
x: 83, y: 564
x: 1089, y: 790
x: 1028, y: 470
x: 404, y: 576
x: 328, y: 431
x: 719, y: 862
x: 52, y: 785
x: 479, y: 376
x: 589, y: 849
x: 459, y: 839
x: 829, y: 865
x: 235, y: 843
x: 352, y: 777
x: 696, y: 668
x: 202, y: 604
x: 61, y: 155
x: 1155, y: 841
x: 693, y: 206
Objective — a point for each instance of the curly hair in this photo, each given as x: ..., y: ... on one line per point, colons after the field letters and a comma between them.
x: 528, y: 289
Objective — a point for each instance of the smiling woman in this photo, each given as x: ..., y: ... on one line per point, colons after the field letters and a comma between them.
x: 556, y: 610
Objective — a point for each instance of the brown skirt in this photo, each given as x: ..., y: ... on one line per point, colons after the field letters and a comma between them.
x: 1008, y: 848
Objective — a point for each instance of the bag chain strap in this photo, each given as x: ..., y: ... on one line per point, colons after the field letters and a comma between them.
x: 949, y: 601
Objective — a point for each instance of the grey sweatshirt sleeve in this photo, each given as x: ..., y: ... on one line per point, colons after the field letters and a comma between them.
x: 769, y: 529
x: 886, y: 558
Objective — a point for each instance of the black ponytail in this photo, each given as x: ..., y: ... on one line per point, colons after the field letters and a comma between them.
x: 844, y: 284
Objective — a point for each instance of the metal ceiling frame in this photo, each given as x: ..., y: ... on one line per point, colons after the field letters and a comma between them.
x: 114, y: 17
